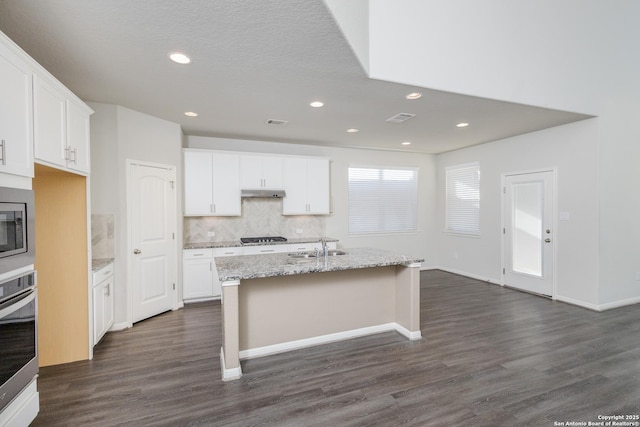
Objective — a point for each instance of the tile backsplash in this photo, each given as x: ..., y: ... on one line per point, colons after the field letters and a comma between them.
x: 102, y: 236
x: 260, y: 217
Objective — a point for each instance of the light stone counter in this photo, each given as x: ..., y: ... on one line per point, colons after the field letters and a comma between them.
x: 272, y: 303
x: 271, y: 265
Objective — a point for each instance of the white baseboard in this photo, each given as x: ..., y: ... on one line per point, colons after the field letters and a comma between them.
x: 119, y: 326
x: 229, y: 374
x: 326, y: 339
x: 470, y: 275
x: 194, y: 300
x: 619, y: 303
x: 560, y: 298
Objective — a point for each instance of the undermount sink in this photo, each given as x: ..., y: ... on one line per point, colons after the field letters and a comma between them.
x: 302, y: 255
x: 331, y: 252
x: 334, y: 252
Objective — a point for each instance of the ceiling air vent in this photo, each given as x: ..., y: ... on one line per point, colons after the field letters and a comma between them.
x: 400, y: 117
x: 275, y: 122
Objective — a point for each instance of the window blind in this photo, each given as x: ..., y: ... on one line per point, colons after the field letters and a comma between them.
x: 463, y: 199
x: 382, y: 200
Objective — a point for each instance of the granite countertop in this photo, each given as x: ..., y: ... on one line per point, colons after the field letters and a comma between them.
x: 271, y: 265
x: 97, y: 264
x: 236, y: 243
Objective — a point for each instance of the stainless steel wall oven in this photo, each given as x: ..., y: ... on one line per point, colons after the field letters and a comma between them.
x: 17, y: 229
x: 18, y: 336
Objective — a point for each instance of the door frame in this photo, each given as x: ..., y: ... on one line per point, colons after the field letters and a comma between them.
x: 129, y: 164
x: 554, y: 224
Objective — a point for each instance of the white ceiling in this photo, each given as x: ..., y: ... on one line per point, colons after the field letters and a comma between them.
x: 253, y: 60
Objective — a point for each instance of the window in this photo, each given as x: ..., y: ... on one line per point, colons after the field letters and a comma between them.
x: 463, y: 199
x: 382, y: 200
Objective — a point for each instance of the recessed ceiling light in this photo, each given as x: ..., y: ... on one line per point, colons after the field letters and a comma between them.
x: 414, y: 95
x: 317, y: 104
x: 406, y: 143
x: 462, y: 125
x: 353, y: 130
x: 179, y: 58
x: 191, y: 114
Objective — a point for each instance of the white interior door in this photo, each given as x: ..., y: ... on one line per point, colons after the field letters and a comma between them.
x: 528, y: 233
x: 153, y: 252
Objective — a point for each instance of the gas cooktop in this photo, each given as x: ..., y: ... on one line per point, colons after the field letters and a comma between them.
x: 264, y: 239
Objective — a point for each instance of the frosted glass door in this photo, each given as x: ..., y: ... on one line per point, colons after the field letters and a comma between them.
x: 528, y: 240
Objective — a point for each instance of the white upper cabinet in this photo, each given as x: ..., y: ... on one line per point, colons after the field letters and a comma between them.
x: 307, y: 187
x: 50, y: 138
x: 16, y: 114
x: 78, y: 136
x: 61, y: 137
x: 261, y: 172
x: 211, y: 183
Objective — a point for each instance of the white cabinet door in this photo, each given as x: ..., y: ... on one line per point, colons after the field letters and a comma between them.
x: 272, y: 174
x: 108, y: 308
x: 307, y: 187
x: 102, y: 303
x: 50, y: 138
x: 61, y: 136
x: 226, y: 184
x: 198, y: 183
x: 211, y: 184
x: 197, y: 274
x: 295, y: 176
x: 16, y: 115
x: 250, y: 172
x: 98, y: 313
x: 318, y: 186
x: 261, y: 172
x: 78, y: 136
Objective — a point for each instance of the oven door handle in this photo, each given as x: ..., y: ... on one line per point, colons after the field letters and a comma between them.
x: 17, y: 303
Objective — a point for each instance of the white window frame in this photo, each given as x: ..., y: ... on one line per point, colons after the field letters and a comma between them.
x: 462, y: 199
x: 387, y: 221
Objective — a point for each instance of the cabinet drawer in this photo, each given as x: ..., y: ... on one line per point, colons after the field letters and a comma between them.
x: 231, y: 251
x: 197, y: 253
x: 264, y: 249
x: 102, y: 274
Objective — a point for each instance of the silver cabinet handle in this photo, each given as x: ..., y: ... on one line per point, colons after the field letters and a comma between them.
x: 137, y: 251
x: 73, y: 156
x: 3, y: 151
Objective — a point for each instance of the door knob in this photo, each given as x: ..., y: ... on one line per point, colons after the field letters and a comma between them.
x: 137, y: 251
x: 547, y: 240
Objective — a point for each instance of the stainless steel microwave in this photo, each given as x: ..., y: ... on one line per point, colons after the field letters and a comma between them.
x: 17, y: 229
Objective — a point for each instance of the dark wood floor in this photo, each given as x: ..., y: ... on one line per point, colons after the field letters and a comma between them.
x: 489, y: 357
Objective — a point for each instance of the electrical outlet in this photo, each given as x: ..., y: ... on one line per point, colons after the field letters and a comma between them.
x: 299, y: 230
x: 211, y: 234
x: 638, y: 275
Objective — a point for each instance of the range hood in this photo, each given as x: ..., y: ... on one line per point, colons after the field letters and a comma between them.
x: 271, y: 194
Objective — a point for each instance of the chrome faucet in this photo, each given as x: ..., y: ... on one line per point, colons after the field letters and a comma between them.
x: 325, y: 248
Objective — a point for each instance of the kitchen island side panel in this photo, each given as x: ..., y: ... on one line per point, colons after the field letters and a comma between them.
x: 282, y: 309
x: 407, y: 298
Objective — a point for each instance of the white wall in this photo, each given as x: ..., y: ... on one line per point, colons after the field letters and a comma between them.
x: 355, y: 13
x: 336, y: 225
x: 573, y: 151
x: 545, y: 53
x: 571, y: 55
x: 118, y: 134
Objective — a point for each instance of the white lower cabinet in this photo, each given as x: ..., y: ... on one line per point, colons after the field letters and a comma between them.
x: 102, y: 302
x: 199, y: 275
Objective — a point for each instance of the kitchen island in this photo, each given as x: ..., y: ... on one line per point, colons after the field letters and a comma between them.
x: 274, y: 303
